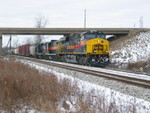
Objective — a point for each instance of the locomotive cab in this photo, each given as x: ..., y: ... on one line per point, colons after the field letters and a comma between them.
x: 97, y: 48
x: 92, y: 35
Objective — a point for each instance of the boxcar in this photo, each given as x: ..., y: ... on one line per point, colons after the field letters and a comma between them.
x: 24, y: 50
x: 32, y: 50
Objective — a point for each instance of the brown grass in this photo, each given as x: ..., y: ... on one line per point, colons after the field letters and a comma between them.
x: 140, y: 66
x: 21, y: 86
x: 117, y: 43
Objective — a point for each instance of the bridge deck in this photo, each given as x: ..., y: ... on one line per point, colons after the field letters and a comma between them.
x: 63, y: 31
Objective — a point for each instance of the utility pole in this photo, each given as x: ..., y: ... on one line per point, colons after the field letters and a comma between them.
x: 85, y: 18
x: 134, y: 25
x: 10, y: 45
x: 141, y: 22
x: 0, y: 44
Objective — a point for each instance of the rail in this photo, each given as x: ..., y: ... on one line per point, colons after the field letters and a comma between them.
x: 137, y: 80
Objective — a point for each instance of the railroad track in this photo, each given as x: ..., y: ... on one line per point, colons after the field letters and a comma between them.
x: 138, y: 80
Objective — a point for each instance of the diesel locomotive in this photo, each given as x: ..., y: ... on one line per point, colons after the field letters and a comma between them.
x: 87, y: 48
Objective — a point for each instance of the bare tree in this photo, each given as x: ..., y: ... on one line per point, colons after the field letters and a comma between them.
x: 41, y: 22
x: 15, y: 42
x: 28, y: 41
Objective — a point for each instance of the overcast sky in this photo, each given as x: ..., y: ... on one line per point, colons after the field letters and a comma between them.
x: 70, y: 13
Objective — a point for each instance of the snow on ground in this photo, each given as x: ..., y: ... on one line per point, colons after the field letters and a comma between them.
x: 135, y: 49
x: 25, y: 109
x: 123, y: 100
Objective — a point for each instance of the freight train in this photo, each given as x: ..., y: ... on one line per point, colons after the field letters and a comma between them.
x: 87, y: 48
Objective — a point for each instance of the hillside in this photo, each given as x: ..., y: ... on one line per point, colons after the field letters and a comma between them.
x: 133, y: 53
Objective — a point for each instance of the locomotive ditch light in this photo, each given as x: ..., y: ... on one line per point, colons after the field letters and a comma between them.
x: 106, y: 51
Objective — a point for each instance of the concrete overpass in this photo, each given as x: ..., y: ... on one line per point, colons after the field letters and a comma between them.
x: 63, y: 31
x: 60, y: 31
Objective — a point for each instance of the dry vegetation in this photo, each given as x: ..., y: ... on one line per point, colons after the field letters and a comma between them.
x: 117, y: 43
x: 22, y: 87
x: 142, y: 66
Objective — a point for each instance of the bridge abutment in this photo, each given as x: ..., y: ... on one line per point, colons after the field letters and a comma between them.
x: 0, y: 44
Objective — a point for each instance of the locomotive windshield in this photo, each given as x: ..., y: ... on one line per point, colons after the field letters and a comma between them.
x: 92, y: 34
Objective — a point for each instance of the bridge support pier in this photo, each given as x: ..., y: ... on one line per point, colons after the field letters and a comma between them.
x: 0, y: 44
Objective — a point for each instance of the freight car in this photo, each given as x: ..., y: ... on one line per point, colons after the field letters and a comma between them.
x: 16, y: 51
x: 32, y: 50
x: 87, y: 48
x: 24, y: 50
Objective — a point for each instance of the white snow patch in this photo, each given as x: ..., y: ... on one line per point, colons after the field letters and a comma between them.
x: 135, y: 49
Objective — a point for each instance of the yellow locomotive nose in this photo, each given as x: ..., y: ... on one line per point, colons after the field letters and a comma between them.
x: 97, y: 46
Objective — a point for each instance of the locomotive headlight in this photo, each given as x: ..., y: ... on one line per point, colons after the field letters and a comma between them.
x: 98, y: 41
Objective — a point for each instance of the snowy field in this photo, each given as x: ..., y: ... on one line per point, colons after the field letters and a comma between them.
x: 135, y: 50
x: 127, y: 103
